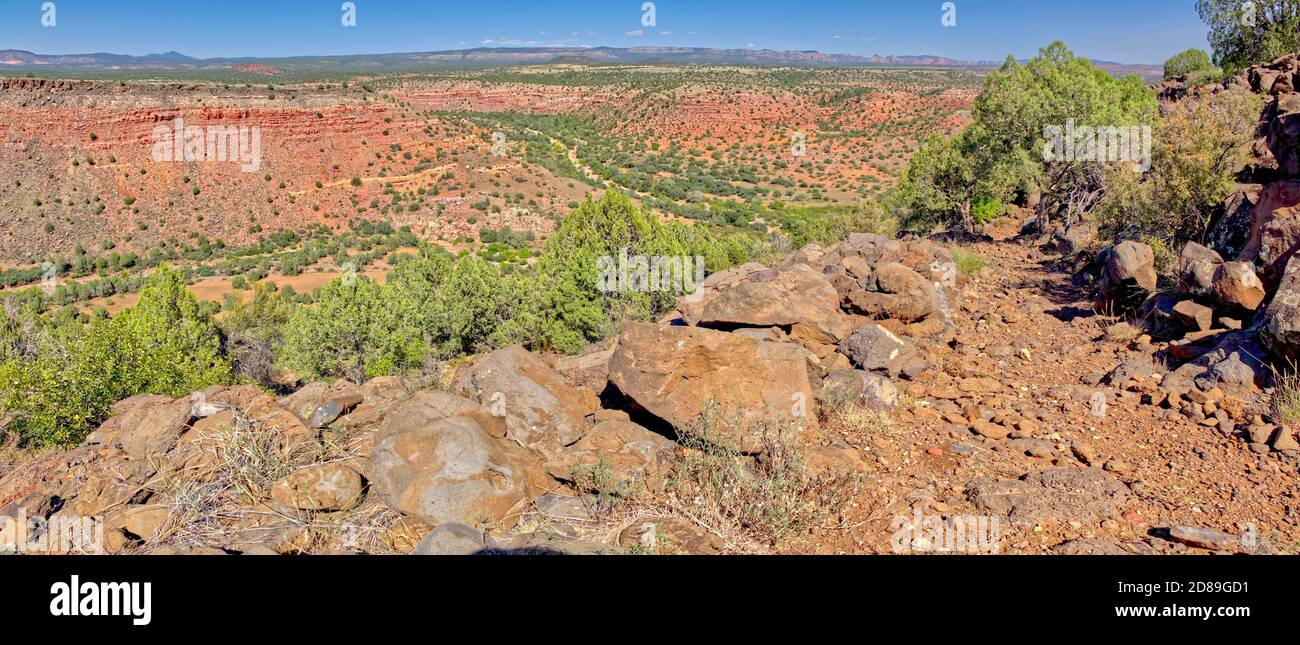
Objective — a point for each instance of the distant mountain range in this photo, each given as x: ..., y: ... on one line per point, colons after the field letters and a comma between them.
x: 495, y: 57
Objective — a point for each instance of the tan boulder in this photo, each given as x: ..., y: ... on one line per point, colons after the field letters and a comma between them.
x: 673, y: 372
x: 145, y: 521
x: 454, y: 471
x: 631, y: 456
x: 321, y: 487
x: 540, y: 408
x: 1237, y: 285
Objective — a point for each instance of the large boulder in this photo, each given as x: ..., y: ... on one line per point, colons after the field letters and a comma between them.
x: 455, y: 471
x: 321, y: 487
x: 1274, y: 230
x: 1230, y: 234
x: 895, y: 292
x: 1196, y: 267
x: 1280, y: 330
x: 425, y: 407
x: 1128, y: 272
x: 541, y: 409
x: 673, y: 373
x: 798, y: 296
x: 873, y: 348
x: 1284, y: 132
x: 1237, y: 285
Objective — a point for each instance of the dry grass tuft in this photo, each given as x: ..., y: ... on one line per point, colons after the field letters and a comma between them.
x: 1286, y: 398
x: 752, y: 502
x: 225, y: 502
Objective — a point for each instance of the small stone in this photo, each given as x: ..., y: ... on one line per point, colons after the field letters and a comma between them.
x: 1202, y: 538
x: 1284, y: 441
x: 1260, y: 434
x: 1084, y: 453
x: 1118, y: 467
x: 331, y: 410
x: 989, y: 430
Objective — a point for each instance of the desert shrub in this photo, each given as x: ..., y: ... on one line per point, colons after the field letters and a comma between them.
x: 968, y: 262
x: 338, y: 336
x: 1197, y: 150
x: 573, y: 307
x: 1187, y: 62
x: 1286, y: 397
x: 167, y: 344
x: 953, y: 181
x: 480, y: 309
x: 253, y: 333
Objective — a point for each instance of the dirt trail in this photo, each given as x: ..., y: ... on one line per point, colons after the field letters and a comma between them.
x: 1023, y: 324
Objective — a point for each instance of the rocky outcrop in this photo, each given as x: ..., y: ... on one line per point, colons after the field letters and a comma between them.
x: 1275, y: 230
x: 1258, y: 234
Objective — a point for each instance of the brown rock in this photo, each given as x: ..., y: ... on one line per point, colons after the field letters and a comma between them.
x: 1280, y: 330
x: 1236, y: 285
x: 323, y: 487
x: 619, y: 456
x: 541, y: 409
x: 1274, y: 230
x: 1284, y: 441
x: 1128, y: 272
x: 673, y: 372
x: 454, y: 471
x: 989, y: 430
x: 900, y: 293
x: 153, y: 429
x: 1202, y: 538
x: 669, y: 536
x: 1194, y: 315
x: 143, y: 521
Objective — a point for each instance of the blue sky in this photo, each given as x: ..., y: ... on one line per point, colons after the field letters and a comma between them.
x: 1132, y: 31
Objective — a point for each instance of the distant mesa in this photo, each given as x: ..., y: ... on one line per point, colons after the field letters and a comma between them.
x: 256, y: 68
